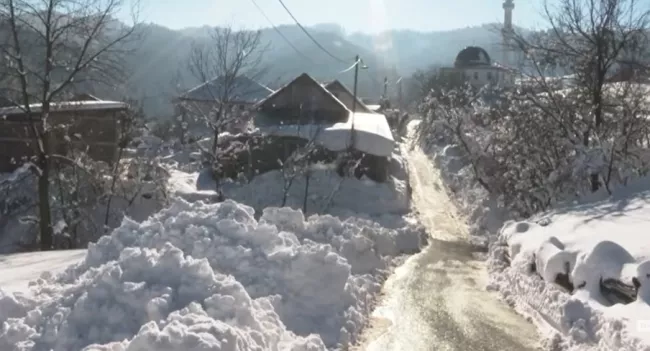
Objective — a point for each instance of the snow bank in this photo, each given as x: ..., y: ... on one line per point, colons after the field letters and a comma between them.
x: 209, y: 276
x: 327, y: 192
x: 580, y: 243
x: 589, y: 243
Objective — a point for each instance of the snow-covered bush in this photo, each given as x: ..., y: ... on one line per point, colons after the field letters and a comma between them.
x: 533, y: 151
x: 88, y: 198
x: 212, y: 277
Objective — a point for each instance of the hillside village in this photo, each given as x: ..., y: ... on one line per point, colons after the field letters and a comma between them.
x: 493, y: 199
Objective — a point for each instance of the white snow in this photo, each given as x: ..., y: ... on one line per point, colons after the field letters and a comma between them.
x: 590, y: 242
x: 66, y: 106
x: 597, y: 238
x: 20, y: 269
x: 327, y: 192
x: 210, y: 276
x: 372, y: 134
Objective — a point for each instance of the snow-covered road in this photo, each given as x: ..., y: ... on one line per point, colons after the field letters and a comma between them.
x: 437, y: 299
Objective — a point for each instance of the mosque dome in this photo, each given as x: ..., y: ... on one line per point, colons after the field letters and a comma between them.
x: 472, y: 56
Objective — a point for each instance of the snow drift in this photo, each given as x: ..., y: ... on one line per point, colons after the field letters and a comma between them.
x: 589, y: 243
x: 327, y: 191
x: 209, y: 276
x: 584, y: 242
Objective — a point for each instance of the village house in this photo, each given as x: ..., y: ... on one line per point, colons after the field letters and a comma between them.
x: 307, y: 109
x: 236, y: 95
x: 88, y: 123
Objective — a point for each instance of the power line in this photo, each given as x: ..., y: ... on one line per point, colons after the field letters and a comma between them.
x: 280, y: 32
x: 309, y: 35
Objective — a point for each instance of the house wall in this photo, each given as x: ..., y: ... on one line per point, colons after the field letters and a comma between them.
x: 303, y: 102
x: 480, y: 77
x: 95, y: 130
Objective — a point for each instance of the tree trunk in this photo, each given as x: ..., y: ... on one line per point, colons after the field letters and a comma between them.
x: 304, y: 199
x: 45, y: 223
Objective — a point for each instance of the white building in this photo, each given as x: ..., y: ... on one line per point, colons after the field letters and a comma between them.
x: 473, y: 65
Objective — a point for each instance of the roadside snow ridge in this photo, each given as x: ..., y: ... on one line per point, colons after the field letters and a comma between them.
x: 210, y: 277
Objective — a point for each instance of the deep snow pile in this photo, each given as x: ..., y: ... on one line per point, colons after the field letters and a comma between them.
x: 209, y: 276
x: 588, y: 242
x: 327, y: 191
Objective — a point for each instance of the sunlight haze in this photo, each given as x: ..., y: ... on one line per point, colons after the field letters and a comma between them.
x: 369, y: 16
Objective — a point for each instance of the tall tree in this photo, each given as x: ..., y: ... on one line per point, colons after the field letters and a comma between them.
x: 221, y: 61
x: 226, y: 63
x: 49, y: 46
x: 591, y: 40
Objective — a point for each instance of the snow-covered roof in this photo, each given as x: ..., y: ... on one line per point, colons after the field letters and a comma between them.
x: 66, y: 106
x: 372, y: 134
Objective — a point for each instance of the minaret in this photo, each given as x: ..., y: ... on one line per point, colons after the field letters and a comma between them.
x: 507, y: 31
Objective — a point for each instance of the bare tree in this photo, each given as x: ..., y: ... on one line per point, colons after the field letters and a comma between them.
x: 548, y: 141
x: 220, y: 62
x: 49, y: 46
x: 592, y: 40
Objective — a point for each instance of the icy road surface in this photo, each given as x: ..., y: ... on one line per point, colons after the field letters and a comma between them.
x: 437, y: 299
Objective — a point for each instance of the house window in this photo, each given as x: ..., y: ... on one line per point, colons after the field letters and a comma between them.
x: 489, y: 75
x: 475, y: 75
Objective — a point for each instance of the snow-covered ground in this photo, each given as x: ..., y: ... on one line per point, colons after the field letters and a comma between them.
x: 18, y: 270
x: 591, y: 243
x: 599, y: 238
x: 218, y: 276
x: 198, y: 276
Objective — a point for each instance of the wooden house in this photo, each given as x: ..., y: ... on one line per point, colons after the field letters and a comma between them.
x: 302, y: 101
x: 88, y: 124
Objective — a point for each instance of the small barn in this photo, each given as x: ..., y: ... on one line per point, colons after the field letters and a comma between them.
x: 89, y: 124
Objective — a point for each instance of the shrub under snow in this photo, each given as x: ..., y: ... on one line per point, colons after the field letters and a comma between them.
x: 209, y: 276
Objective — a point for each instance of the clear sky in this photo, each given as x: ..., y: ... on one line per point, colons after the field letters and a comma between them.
x: 369, y: 16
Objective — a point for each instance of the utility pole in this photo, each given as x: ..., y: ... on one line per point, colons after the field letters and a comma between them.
x: 354, y: 101
x: 399, y: 93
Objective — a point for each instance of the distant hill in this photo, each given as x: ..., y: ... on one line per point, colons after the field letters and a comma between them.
x: 160, y: 56
x: 411, y: 50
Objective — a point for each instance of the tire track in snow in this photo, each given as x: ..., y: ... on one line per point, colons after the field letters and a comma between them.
x: 437, y: 299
